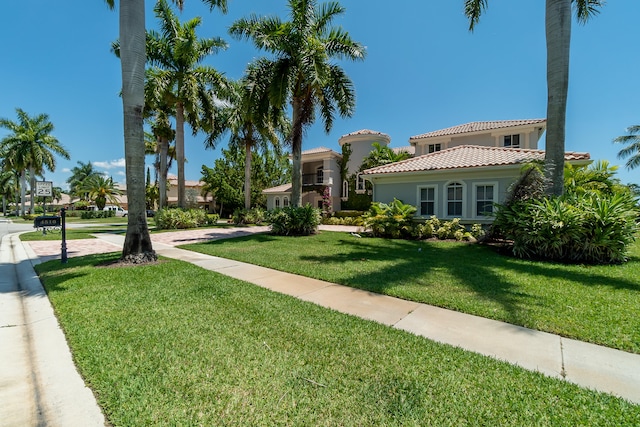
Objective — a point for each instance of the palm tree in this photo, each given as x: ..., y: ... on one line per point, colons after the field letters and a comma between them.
x: 176, y: 54
x: 78, y: 174
x: 249, y: 126
x: 101, y: 190
x: 9, y: 187
x: 382, y: 155
x: 632, y: 149
x: 301, y: 72
x: 31, y: 146
x: 558, y: 35
x: 137, y: 245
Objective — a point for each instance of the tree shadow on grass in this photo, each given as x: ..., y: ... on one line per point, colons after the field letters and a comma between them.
x: 421, y: 267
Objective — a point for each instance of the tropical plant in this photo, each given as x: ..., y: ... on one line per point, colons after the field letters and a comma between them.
x: 558, y: 36
x: 295, y: 221
x: 632, y: 149
x: 249, y: 125
x: 393, y: 220
x: 172, y: 219
x: 101, y: 190
x: 159, y: 143
x: 301, y: 73
x: 176, y: 54
x: 30, y: 147
x: 382, y: 155
x: 78, y: 175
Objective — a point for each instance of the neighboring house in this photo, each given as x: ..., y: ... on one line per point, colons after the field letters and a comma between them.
x: 460, y: 172
x: 321, y: 168
x: 193, y: 194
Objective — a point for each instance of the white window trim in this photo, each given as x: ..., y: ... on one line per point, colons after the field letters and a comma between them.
x: 511, y: 135
x: 445, y: 198
x: 285, y: 201
x: 276, y: 202
x: 435, y: 200
x: 476, y: 215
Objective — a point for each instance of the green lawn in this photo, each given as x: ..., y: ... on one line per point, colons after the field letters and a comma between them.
x: 75, y: 233
x: 598, y: 304
x: 173, y: 344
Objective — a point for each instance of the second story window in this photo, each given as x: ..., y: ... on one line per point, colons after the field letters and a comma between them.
x: 512, y: 141
x: 319, y: 175
x: 432, y: 148
x: 360, y: 187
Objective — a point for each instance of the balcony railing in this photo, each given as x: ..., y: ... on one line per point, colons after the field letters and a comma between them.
x: 311, y: 179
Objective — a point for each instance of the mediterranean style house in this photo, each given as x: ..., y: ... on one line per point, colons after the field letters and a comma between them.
x: 457, y: 172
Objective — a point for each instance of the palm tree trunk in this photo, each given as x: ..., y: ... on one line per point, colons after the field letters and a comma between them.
x: 180, y: 152
x: 162, y: 184
x: 23, y: 189
x: 296, y: 153
x: 247, y: 176
x: 32, y: 186
x: 137, y: 245
x: 558, y: 34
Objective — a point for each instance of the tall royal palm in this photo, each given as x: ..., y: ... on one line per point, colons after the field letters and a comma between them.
x: 30, y: 146
x: 632, y: 149
x: 137, y: 245
x: 301, y: 72
x: 248, y: 124
x: 176, y: 53
x: 558, y: 35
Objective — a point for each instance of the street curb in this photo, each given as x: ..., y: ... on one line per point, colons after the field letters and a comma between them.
x: 66, y: 400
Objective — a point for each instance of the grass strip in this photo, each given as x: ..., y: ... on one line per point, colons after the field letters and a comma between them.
x: 597, y: 304
x: 173, y: 344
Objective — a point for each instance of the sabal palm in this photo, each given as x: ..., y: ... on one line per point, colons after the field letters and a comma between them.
x: 632, y: 149
x: 249, y: 125
x: 181, y: 80
x: 100, y: 190
x: 558, y: 35
x: 31, y: 146
x: 132, y: 59
x: 301, y: 72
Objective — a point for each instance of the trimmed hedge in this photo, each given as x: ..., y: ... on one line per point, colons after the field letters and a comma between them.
x: 173, y: 219
x: 295, y: 221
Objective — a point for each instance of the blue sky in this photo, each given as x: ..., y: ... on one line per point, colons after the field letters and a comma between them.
x: 424, y: 71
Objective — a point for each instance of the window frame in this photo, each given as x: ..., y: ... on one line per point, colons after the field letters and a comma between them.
x: 511, y: 139
x: 461, y: 201
x: 436, y: 147
x: 419, y: 199
x: 276, y: 202
x: 493, y: 184
x: 285, y: 201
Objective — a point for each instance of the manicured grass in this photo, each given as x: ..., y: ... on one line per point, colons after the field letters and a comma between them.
x: 173, y: 344
x: 74, y: 233
x: 598, y: 304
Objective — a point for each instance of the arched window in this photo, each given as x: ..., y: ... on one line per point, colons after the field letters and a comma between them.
x: 454, y: 199
x: 360, y: 186
x: 277, y: 202
x: 285, y: 201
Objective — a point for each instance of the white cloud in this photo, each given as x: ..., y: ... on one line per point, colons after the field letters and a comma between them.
x: 66, y: 170
x: 119, y: 163
x: 121, y: 173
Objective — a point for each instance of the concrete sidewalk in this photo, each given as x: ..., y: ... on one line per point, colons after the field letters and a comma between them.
x: 41, y: 371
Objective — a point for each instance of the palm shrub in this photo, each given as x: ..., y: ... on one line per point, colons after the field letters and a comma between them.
x: 591, y: 228
x: 295, y: 221
x: 171, y: 219
x: 394, y: 220
x: 249, y: 216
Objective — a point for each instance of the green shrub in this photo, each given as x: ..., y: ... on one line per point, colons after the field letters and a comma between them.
x: 97, y: 214
x: 394, y: 220
x: 29, y: 217
x: 252, y: 216
x: 344, y: 220
x: 593, y: 228
x: 295, y: 221
x: 172, y: 219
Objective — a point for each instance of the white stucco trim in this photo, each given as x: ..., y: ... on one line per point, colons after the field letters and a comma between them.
x: 474, y: 197
x: 436, y: 204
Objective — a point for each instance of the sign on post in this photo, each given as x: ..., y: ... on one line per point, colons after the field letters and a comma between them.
x: 44, y: 188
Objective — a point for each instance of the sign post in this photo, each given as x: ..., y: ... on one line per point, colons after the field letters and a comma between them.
x: 63, y: 256
x: 44, y: 189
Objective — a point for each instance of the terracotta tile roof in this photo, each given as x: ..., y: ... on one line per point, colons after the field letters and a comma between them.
x: 478, y: 127
x: 285, y: 188
x: 468, y: 156
x: 317, y: 150
x: 365, y: 132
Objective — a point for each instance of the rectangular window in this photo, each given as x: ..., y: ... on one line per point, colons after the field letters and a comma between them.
x: 427, y: 201
x: 512, y: 141
x: 434, y: 147
x: 454, y: 200
x: 484, y: 200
